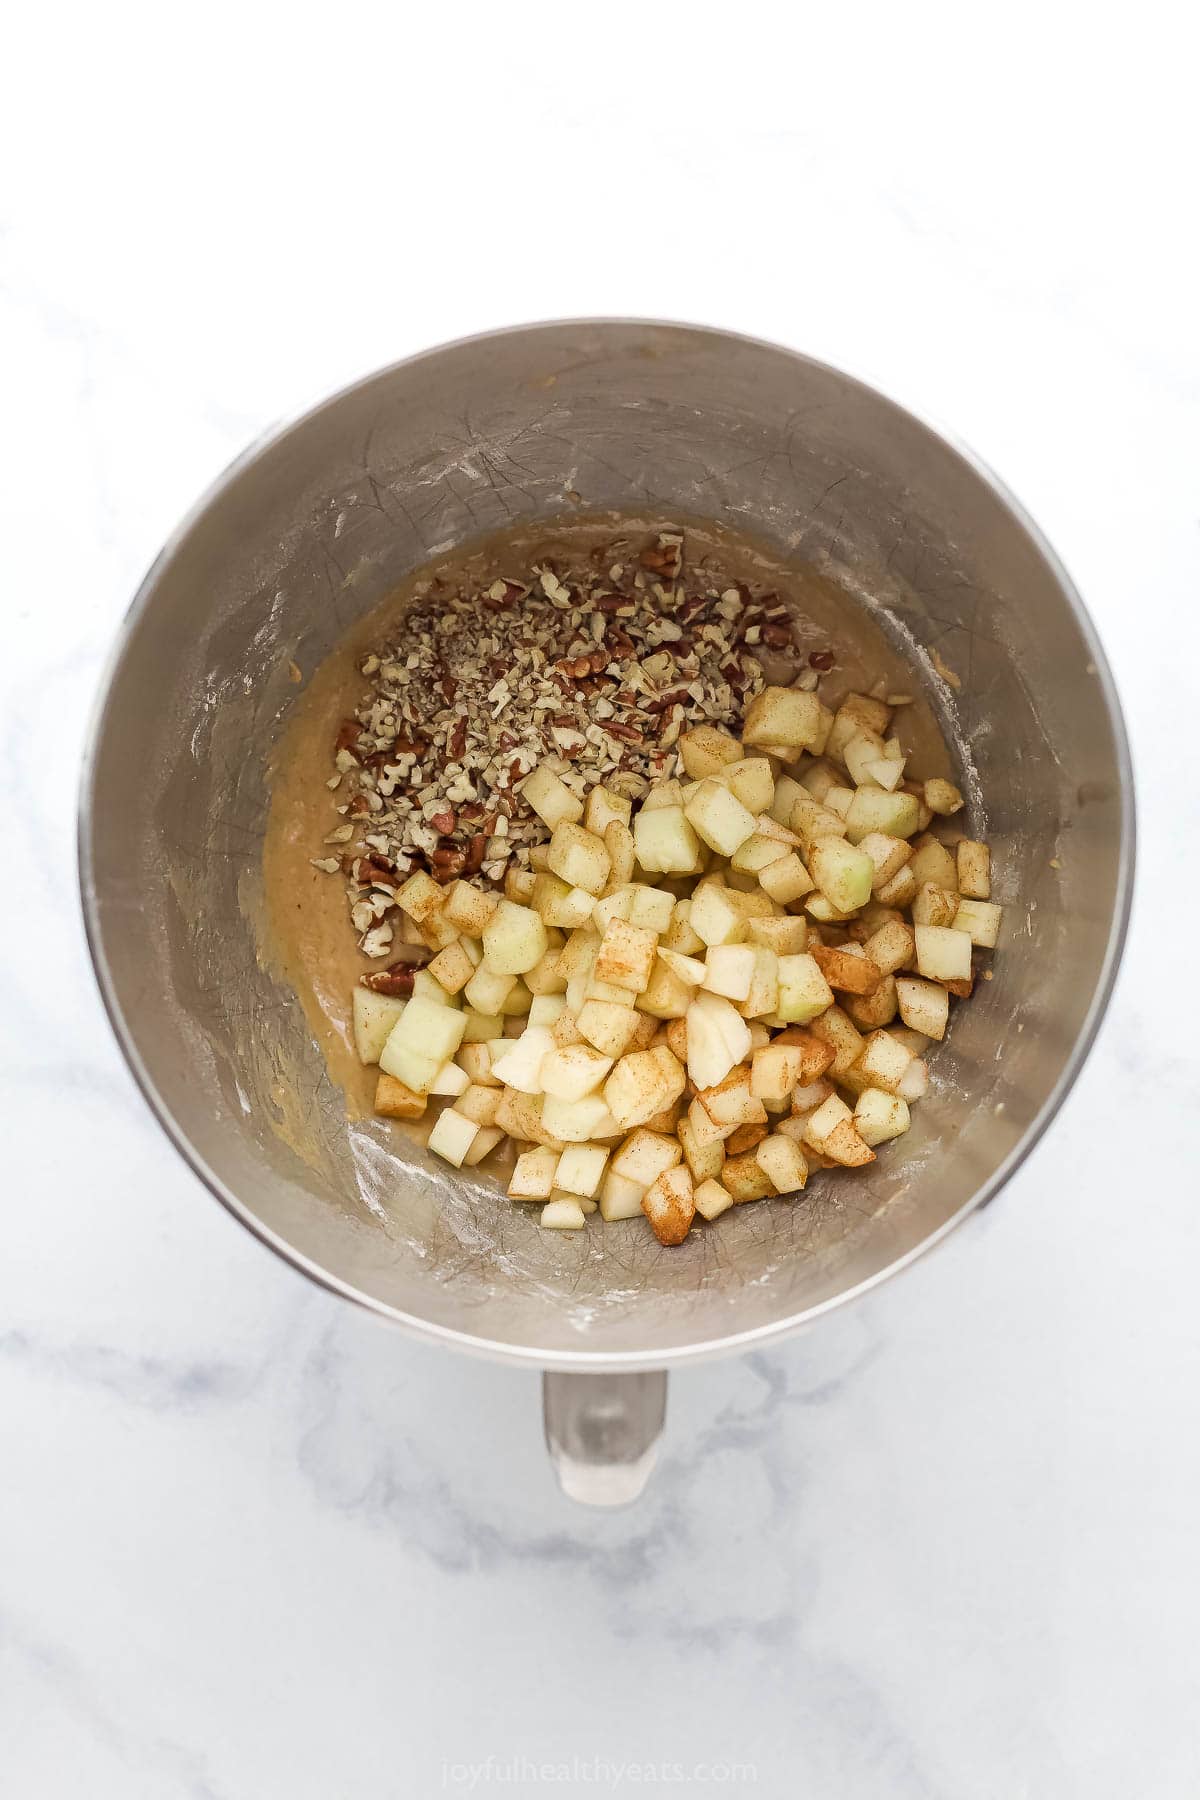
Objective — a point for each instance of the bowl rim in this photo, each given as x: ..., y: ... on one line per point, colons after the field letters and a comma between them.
x: 583, y: 1360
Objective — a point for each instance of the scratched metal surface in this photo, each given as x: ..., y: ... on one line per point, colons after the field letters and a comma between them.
x: 313, y: 532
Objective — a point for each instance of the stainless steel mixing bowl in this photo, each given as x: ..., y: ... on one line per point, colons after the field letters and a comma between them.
x: 307, y: 531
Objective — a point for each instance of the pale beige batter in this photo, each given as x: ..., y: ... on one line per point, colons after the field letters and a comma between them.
x: 310, y: 942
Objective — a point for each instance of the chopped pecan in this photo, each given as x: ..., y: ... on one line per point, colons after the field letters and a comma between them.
x: 397, y: 981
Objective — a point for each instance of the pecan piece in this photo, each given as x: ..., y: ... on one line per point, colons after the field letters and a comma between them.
x: 397, y: 981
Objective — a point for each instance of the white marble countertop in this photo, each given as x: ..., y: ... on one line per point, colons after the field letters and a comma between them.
x: 257, y: 1545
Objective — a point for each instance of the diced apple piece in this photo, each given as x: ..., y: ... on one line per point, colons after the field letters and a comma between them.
x: 427, y: 1030
x: 544, y: 1009
x: 517, y: 1001
x: 550, y: 798
x: 816, y: 1055
x: 705, y: 750
x: 818, y: 778
x: 838, y: 800
x: 452, y: 967
x: 607, y: 1026
x: 487, y: 1139
x: 728, y: 970
x: 676, y: 1036
x: 751, y: 781
x: 520, y: 1115
x: 804, y: 992
x: 899, y: 891
x: 715, y: 916
x: 703, y: 1159
x: 745, y: 1178
x: 665, y: 842
x: 931, y: 861
x: 884, y: 1061
x: 785, y: 936
x: 679, y: 934
x: 625, y: 957
x: 830, y: 1114
x: 932, y: 905
x: 874, y: 809
x: 452, y: 1137
x: 425, y: 986
x: 562, y: 1215
x: 518, y: 885
x: 806, y: 1099
x: 642, y: 1083
x: 869, y: 1011
x: 395, y: 1100
x: 544, y: 979
x: 717, y: 1038
x: 915, y: 1082
x: 762, y: 1000
x: 942, y: 954
x: 645, y: 1155
x: 758, y: 853
x: 786, y: 880
x: 615, y: 903
x: 924, y: 1005
x: 860, y: 751
x: 775, y: 1071
x: 704, y: 1130
x: 712, y: 1199
x: 603, y: 809
x: 784, y: 716
x: 787, y: 792
x: 651, y: 908
x: 974, y: 867
x: 375, y: 1017
x: 892, y: 947
x: 481, y: 1028
x: 476, y: 1058
x: 690, y: 970
x: 670, y: 1205
x: 533, y: 1175
x: 572, y: 1074
x: 487, y: 990
x: 575, y: 1121
x: 879, y: 1116
x: 666, y: 793
x: 578, y: 954
x: 664, y: 996
x: 835, y: 1028
x: 579, y: 858
x: 450, y: 1082
x: 842, y: 873
x: 980, y: 919
x: 420, y: 896
x: 468, y: 908
x: 857, y: 713
x: 811, y: 823
x: 478, y: 1103
x: 619, y: 842
x: 620, y: 1198
x: 520, y: 1063
x: 888, y: 855
x: 783, y: 1162
x: 558, y: 904
x: 718, y: 818
x: 580, y: 1169
x: 942, y: 796
x: 845, y: 1146
x: 849, y: 969
x: 885, y: 772
x: 732, y: 1102
x: 514, y: 939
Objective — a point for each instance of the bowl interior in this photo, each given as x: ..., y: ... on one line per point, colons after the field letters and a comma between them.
x: 310, y: 531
